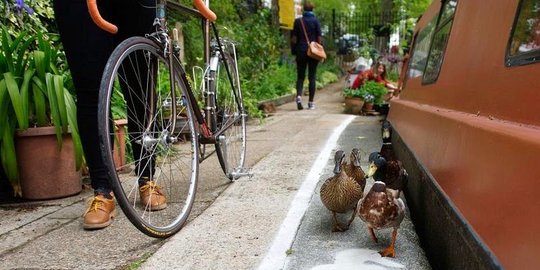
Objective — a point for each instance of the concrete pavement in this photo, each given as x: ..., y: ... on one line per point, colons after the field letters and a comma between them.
x: 273, y: 220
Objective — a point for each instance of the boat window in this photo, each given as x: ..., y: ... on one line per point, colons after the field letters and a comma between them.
x: 524, y: 45
x: 421, y: 50
x: 440, y: 39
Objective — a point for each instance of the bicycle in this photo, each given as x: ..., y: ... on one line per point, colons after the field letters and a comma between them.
x: 168, y: 131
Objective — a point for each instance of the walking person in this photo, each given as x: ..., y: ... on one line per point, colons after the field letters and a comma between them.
x: 87, y: 50
x: 307, y: 25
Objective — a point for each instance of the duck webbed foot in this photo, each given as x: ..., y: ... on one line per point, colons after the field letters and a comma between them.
x: 390, y: 251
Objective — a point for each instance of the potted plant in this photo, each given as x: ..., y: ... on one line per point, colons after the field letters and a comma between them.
x: 34, y: 100
x: 374, y: 93
x: 354, y: 99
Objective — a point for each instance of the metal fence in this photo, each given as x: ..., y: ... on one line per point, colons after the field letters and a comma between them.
x: 338, y: 24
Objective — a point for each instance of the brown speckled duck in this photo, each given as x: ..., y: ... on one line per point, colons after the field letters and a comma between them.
x: 379, y: 209
x: 340, y: 193
x: 354, y: 170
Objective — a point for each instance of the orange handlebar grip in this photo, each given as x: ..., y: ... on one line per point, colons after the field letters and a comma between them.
x: 204, y: 10
x: 96, y: 17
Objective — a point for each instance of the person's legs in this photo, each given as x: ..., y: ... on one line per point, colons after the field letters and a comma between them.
x: 301, y: 65
x: 135, y: 75
x: 87, y: 50
x: 312, y: 76
x: 144, y: 10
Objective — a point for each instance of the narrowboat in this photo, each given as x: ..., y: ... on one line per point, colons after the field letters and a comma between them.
x: 466, y: 125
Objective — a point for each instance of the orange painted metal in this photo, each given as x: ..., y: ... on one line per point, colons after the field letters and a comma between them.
x: 477, y: 130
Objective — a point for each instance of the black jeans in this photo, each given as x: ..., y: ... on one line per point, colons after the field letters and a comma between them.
x: 303, y: 62
x: 87, y: 49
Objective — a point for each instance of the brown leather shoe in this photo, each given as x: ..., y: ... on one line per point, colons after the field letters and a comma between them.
x: 99, y: 213
x: 151, y: 197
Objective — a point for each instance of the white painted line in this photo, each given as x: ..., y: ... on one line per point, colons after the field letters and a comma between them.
x: 276, y: 257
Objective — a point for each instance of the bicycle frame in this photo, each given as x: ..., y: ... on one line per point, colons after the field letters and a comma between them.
x: 161, y: 36
x: 212, y: 65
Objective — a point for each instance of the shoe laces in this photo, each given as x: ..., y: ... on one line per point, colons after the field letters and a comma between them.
x: 94, y: 204
x: 154, y: 188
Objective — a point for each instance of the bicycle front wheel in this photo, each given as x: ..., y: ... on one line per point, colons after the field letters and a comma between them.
x: 140, y: 86
x: 230, y: 116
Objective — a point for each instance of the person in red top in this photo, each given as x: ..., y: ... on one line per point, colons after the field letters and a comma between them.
x: 376, y: 73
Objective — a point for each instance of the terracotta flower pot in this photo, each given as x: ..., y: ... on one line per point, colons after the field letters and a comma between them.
x: 353, y: 105
x: 368, y: 107
x: 119, y: 152
x: 46, y: 172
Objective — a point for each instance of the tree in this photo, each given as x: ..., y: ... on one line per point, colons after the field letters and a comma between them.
x: 413, y: 8
x: 328, y: 5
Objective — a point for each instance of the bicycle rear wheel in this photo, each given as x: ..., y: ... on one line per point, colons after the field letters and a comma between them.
x: 161, y: 141
x: 230, y: 116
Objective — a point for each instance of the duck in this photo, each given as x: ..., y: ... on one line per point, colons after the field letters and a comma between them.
x: 387, y: 151
x: 392, y: 173
x: 340, y: 193
x: 386, y: 131
x: 379, y: 209
x: 354, y: 169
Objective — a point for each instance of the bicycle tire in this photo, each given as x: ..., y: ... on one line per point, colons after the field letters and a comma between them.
x: 161, y: 136
x: 229, y: 116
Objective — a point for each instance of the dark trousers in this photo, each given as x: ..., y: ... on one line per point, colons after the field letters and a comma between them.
x: 87, y: 49
x: 304, y: 62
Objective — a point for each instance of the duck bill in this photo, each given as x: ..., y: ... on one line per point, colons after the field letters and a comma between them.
x: 337, y: 168
x: 372, y: 169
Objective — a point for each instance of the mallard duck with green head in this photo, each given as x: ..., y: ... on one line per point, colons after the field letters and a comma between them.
x: 392, y: 173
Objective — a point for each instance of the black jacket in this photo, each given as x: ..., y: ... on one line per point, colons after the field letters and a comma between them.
x: 313, y: 29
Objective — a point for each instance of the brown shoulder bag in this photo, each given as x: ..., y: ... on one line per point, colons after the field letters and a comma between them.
x: 315, y: 50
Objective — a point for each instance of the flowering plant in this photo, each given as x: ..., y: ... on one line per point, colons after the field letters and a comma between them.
x: 354, y: 92
x: 20, y: 6
x: 374, y: 92
x: 369, y: 98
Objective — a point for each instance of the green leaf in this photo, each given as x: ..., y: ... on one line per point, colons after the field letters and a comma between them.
x: 40, y: 85
x: 9, y: 156
x: 39, y: 104
x: 4, y: 101
x: 16, y: 100
x: 72, y: 119
x: 20, y: 62
x: 6, y: 48
x: 45, y: 47
x: 53, y: 105
x: 59, y: 89
x: 24, y: 92
x: 40, y: 63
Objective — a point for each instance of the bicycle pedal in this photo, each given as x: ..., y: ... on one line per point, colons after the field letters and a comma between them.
x: 241, y: 172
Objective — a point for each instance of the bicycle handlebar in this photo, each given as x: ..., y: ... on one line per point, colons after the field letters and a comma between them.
x: 204, y: 10
x: 96, y: 17
x: 113, y: 29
